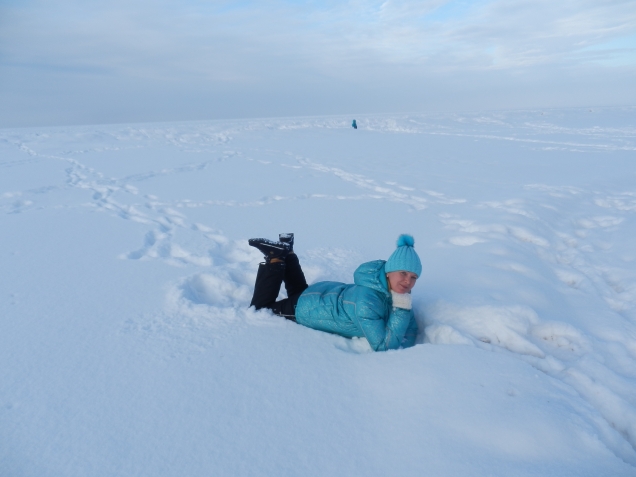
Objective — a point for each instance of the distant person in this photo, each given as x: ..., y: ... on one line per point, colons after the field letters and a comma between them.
x: 377, y: 306
x: 354, y: 125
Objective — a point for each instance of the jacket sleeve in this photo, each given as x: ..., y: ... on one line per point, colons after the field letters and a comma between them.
x: 383, y: 333
x: 411, y: 333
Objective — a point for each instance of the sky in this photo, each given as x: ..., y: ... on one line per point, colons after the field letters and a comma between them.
x: 74, y: 62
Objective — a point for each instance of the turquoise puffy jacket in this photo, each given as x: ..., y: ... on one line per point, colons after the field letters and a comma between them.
x: 364, y: 309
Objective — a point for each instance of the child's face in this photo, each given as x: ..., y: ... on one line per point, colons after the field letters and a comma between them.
x: 401, y: 281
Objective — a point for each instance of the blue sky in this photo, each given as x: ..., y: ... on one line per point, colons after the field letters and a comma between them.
x: 78, y: 62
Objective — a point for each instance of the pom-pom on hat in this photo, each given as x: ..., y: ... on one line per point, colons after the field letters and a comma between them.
x: 405, y: 257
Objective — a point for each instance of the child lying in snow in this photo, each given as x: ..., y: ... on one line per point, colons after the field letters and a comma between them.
x: 377, y: 307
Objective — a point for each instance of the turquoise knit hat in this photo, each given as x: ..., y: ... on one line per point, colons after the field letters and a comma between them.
x: 405, y: 257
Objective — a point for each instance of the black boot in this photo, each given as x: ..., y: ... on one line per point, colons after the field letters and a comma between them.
x: 295, y: 282
x: 271, y: 250
x: 287, y: 238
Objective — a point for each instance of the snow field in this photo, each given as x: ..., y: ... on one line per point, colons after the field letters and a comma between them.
x: 129, y: 348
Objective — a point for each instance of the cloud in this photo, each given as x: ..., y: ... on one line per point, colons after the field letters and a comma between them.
x: 278, y: 55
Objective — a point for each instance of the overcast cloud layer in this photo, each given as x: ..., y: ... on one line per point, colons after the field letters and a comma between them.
x: 78, y: 62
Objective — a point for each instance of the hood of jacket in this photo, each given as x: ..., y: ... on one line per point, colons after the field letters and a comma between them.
x: 372, y: 275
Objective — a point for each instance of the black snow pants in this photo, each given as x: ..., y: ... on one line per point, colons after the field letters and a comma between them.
x: 268, y: 281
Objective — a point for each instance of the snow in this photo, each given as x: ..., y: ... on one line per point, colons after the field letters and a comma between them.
x: 127, y: 345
